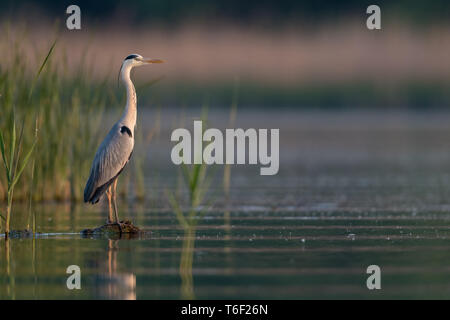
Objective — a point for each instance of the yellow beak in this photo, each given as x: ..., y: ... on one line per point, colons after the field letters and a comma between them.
x: 153, y: 60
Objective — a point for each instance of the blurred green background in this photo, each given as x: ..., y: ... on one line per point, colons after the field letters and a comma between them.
x: 297, y: 54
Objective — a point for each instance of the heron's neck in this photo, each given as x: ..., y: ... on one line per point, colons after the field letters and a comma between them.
x: 130, y: 113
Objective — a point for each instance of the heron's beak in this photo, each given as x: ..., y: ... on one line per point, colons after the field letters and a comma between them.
x: 152, y: 60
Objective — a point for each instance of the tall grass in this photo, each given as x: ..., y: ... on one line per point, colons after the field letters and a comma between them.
x: 13, y: 168
x: 67, y: 107
x: 196, y: 182
x: 197, y: 179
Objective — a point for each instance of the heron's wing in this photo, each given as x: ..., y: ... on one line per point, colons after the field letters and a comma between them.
x: 110, y: 159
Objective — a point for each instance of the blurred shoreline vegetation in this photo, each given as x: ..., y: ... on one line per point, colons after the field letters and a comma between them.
x: 331, y: 66
x: 415, y: 94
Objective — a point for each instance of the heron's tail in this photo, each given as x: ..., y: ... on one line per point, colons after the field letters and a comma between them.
x: 89, y: 192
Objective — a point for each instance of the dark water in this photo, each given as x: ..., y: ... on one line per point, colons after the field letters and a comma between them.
x: 353, y: 190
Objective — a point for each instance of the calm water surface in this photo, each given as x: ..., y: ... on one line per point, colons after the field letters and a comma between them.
x: 354, y: 189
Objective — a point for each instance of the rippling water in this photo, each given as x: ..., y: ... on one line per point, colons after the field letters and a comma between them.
x: 353, y: 190
x: 283, y: 255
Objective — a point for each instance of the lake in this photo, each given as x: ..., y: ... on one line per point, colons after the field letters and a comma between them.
x: 354, y: 189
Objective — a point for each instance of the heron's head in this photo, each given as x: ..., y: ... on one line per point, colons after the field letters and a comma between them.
x: 135, y: 60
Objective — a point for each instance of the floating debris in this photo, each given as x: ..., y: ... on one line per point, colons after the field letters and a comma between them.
x: 351, y: 236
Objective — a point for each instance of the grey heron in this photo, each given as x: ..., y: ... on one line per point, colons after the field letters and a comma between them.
x: 115, y: 151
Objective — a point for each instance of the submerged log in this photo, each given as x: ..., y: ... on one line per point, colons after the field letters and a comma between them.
x: 113, y: 228
x: 20, y: 233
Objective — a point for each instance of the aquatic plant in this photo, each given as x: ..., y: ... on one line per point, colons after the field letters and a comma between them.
x: 196, y: 180
x: 67, y: 107
x: 12, y: 167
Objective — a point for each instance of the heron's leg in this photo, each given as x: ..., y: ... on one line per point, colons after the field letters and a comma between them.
x: 114, y: 186
x: 110, y: 212
x: 114, y: 192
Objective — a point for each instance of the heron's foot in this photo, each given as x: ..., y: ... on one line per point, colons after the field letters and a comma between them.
x: 120, y: 227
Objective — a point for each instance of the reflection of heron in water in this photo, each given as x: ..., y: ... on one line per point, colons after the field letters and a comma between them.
x: 114, y: 284
x: 116, y: 149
